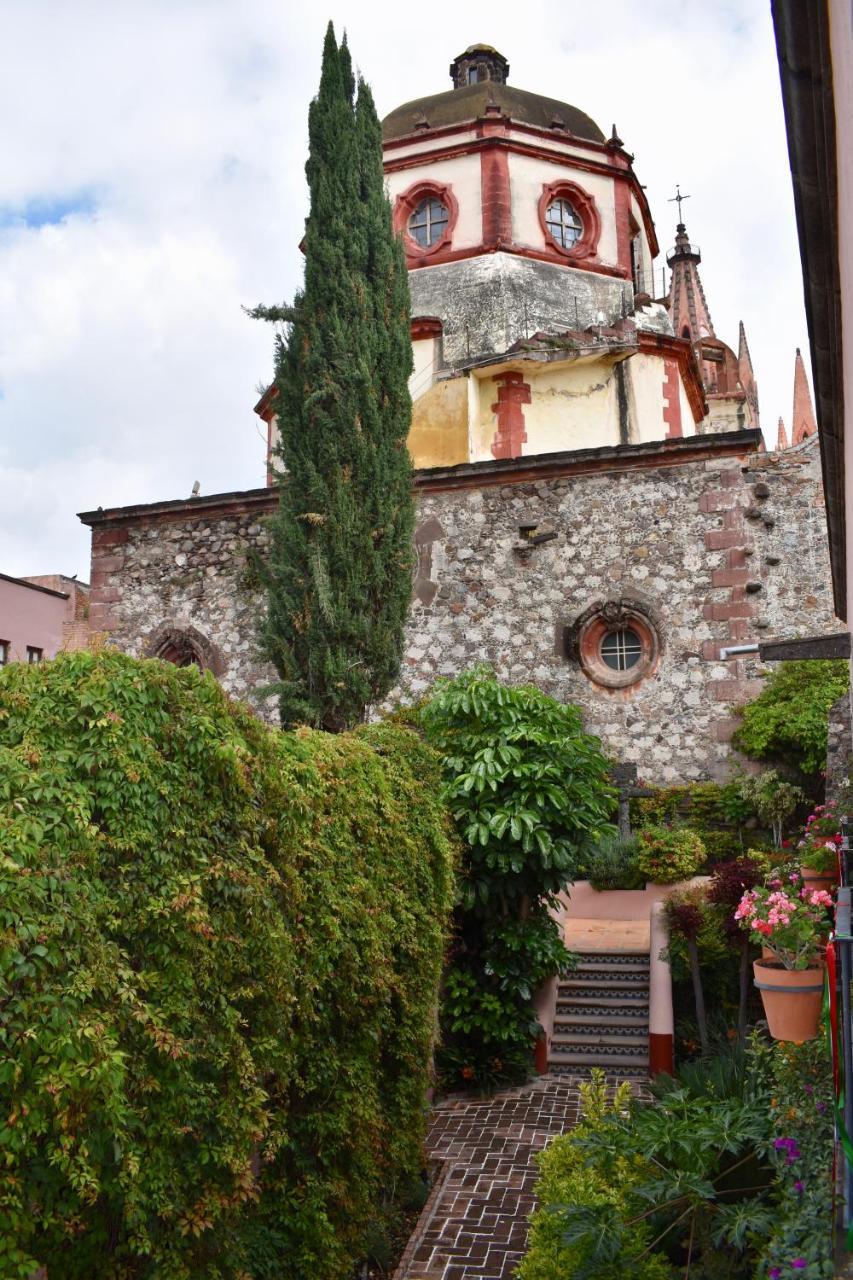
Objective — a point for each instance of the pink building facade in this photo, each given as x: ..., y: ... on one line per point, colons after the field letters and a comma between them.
x: 39, y: 616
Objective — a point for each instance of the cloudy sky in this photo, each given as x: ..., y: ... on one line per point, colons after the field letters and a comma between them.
x: 151, y: 185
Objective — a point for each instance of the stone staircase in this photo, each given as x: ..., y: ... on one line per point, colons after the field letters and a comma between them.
x: 602, y: 1015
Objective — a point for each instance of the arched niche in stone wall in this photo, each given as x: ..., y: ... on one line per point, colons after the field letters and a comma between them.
x: 184, y: 646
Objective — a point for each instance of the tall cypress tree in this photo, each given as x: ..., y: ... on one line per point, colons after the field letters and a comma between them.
x: 339, y: 572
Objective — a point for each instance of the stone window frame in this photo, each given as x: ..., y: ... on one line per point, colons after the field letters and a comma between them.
x: 171, y: 638
x: 406, y: 204
x: 586, y: 246
x: 582, y: 641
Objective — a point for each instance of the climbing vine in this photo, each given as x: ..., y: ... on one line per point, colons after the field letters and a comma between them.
x: 219, y: 960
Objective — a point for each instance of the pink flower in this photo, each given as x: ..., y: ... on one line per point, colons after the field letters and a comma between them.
x: 794, y: 877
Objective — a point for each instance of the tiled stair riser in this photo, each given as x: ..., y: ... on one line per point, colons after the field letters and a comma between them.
x: 601, y: 1017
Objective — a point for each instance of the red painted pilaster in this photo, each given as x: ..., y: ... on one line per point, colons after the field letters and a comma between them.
x: 622, y: 193
x: 497, y: 206
x: 671, y: 399
x: 513, y: 393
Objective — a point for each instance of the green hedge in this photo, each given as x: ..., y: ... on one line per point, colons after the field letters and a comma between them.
x: 219, y: 959
x: 716, y: 811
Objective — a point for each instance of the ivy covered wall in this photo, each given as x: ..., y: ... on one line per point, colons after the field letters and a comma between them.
x: 219, y: 960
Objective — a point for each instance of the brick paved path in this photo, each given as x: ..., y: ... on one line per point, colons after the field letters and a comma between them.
x: 474, y: 1226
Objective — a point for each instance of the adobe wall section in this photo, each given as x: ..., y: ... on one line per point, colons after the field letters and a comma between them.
x: 720, y: 546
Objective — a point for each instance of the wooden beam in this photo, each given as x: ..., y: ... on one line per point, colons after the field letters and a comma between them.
x: 835, y: 646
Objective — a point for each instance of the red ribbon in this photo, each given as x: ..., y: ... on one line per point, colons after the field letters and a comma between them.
x: 833, y: 1012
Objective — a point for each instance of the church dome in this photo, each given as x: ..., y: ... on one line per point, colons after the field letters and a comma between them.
x: 479, y: 78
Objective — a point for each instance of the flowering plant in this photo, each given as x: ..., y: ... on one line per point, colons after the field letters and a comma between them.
x: 819, y: 845
x: 791, y: 921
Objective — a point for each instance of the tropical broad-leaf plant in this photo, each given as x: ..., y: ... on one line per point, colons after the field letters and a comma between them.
x: 698, y: 1182
x: 529, y: 793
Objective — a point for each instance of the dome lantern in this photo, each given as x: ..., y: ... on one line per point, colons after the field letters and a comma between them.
x: 479, y: 62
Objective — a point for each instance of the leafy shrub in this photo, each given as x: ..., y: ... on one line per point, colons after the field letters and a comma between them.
x: 668, y: 854
x: 789, y: 719
x: 589, y: 1191
x: 719, y: 812
x: 218, y: 970
x: 727, y: 1174
x: 794, y: 1087
x: 774, y: 798
x: 528, y: 790
x: 614, y: 865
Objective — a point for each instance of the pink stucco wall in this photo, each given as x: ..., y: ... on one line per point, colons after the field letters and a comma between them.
x: 32, y: 615
x: 584, y: 902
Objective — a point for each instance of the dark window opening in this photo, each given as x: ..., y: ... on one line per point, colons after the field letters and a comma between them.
x: 621, y: 649
x: 563, y: 223
x: 429, y: 222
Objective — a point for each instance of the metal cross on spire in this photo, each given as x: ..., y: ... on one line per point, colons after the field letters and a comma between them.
x: 677, y: 199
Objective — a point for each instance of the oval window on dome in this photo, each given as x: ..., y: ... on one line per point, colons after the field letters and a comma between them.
x: 563, y: 223
x: 429, y: 222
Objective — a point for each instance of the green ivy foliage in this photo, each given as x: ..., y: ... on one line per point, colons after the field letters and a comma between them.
x: 529, y: 792
x: 788, y: 721
x: 219, y: 952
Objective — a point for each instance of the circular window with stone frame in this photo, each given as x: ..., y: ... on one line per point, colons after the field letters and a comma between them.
x: 616, y: 644
x: 425, y: 216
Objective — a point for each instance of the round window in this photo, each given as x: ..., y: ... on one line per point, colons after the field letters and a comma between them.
x: 429, y: 222
x: 622, y: 649
x: 615, y: 643
x: 563, y: 223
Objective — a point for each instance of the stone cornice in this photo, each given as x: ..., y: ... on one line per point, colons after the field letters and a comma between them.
x: 467, y: 475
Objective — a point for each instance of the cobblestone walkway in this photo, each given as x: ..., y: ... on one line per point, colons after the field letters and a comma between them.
x: 474, y: 1225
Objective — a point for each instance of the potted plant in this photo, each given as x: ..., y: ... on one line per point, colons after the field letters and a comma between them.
x: 818, y: 848
x: 793, y: 925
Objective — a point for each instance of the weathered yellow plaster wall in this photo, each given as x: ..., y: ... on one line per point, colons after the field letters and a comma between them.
x: 688, y: 425
x: 438, y: 436
x: 645, y: 374
x: 573, y: 406
x: 723, y: 416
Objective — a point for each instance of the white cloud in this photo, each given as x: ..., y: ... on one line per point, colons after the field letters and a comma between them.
x: 127, y: 367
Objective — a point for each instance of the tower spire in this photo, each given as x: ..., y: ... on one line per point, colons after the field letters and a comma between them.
x: 781, y: 437
x: 691, y: 317
x: 803, y: 423
x: 746, y: 376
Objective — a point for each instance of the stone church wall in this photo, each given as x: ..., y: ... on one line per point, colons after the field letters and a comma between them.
x: 716, y: 543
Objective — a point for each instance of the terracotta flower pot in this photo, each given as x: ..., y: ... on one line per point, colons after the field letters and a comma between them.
x: 792, y: 999
x: 814, y: 879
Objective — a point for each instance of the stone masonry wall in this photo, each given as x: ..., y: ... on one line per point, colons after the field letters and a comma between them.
x: 186, y: 575
x: 721, y: 551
